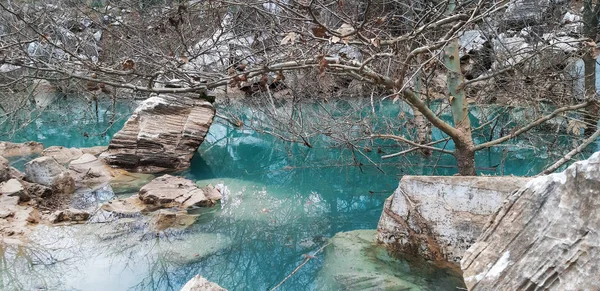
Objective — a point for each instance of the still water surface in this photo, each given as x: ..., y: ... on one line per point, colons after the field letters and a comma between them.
x: 285, y: 200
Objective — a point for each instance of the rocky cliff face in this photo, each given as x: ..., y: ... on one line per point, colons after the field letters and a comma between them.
x: 545, y: 237
x: 439, y: 218
x: 163, y: 133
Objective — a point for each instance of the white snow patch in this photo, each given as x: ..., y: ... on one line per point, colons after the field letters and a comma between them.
x: 150, y: 104
x: 500, y: 266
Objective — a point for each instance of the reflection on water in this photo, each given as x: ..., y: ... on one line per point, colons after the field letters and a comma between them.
x: 285, y: 200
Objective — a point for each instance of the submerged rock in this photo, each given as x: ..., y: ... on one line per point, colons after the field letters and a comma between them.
x: 439, y: 218
x: 545, y: 237
x: 10, y: 149
x: 199, y: 283
x: 69, y: 215
x: 168, y: 219
x: 355, y: 261
x: 48, y: 172
x: 163, y: 133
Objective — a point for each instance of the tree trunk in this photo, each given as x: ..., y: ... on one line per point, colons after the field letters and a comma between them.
x: 465, y: 156
x: 465, y: 148
x: 590, y: 30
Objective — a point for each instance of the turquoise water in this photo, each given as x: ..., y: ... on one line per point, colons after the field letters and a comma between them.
x: 284, y: 201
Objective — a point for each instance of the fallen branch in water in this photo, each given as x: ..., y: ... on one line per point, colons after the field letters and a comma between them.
x: 307, y: 258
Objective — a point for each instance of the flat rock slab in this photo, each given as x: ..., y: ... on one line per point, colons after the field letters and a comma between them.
x: 11, y: 149
x: 545, y: 237
x: 439, y: 218
x: 62, y: 155
x: 163, y: 133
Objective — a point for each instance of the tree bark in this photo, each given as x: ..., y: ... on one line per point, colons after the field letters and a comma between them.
x: 465, y: 148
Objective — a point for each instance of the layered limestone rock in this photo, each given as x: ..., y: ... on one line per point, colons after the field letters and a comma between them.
x: 10, y: 149
x: 439, y: 218
x: 199, y: 283
x: 545, y: 237
x: 163, y: 133
x: 48, y: 172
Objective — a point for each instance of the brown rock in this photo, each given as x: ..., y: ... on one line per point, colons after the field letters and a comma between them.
x: 36, y: 190
x: 164, y: 219
x: 4, y: 170
x: 69, y: 215
x: 163, y: 133
x: 130, y: 205
x: 10, y: 149
x: 170, y: 191
x: 48, y: 172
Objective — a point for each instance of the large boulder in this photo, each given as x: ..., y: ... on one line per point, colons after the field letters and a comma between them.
x: 199, y: 283
x: 439, y: 218
x: 48, y: 172
x: 4, y: 169
x: 545, y: 237
x: 89, y: 171
x: 163, y: 133
x: 10, y: 149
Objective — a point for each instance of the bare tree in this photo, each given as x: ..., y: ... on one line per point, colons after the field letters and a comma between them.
x: 422, y: 53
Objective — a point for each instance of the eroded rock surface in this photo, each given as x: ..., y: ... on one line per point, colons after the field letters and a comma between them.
x: 199, y: 283
x: 48, y: 172
x: 439, y: 218
x: 62, y: 155
x: 163, y: 133
x: 11, y: 149
x: 545, y: 237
